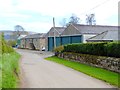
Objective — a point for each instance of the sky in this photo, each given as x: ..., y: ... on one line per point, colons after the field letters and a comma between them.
x: 37, y: 15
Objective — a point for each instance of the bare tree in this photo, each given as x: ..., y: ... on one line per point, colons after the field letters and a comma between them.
x: 19, y: 30
x: 74, y: 19
x: 90, y: 20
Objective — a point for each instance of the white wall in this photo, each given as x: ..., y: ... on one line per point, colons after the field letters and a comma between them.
x: 86, y: 36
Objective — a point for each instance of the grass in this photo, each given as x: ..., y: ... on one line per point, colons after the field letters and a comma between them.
x: 9, y: 66
x: 99, y: 73
x: 0, y: 70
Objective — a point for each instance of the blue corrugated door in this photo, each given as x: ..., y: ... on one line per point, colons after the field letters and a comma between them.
x: 76, y: 39
x: 58, y: 41
x: 50, y: 43
x: 65, y: 40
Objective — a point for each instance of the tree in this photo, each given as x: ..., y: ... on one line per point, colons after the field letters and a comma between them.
x: 74, y: 19
x: 71, y: 20
x: 90, y: 20
x: 18, y: 30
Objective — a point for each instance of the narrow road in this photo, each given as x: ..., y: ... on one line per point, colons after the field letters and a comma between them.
x: 39, y: 73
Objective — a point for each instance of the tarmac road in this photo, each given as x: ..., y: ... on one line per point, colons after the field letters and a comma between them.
x: 39, y: 73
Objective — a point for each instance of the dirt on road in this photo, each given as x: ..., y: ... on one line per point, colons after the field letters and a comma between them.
x: 39, y: 73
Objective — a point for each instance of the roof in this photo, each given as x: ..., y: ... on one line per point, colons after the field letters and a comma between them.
x: 38, y: 35
x: 21, y: 36
x: 93, y: 29
x: 107, y: 35
x: 59, y: 29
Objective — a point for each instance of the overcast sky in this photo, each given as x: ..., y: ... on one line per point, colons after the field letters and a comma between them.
x: 36, y: 15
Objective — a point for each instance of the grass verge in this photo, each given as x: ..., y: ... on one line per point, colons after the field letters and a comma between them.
x: 99, y: 73
x: 9, y: 68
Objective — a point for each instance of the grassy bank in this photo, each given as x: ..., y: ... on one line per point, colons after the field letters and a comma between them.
x: 10, y: 68
x: 102, y: 74
x: 0, y: 70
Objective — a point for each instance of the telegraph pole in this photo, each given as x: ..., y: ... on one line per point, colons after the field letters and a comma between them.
x: 54, y: 32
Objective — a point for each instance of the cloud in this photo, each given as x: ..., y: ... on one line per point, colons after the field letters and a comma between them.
x: 28, y: 26
x: 36, y: 15
x: 10, y: 15
x: 62, y: 7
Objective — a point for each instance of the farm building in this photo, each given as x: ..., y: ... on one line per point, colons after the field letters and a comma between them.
x: 33, y: 41
x: 75, y: 33
x: 107, y: 36
x: 50, y: 37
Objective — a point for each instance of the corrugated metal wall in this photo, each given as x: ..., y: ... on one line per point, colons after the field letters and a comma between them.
x: 50, y: 43
x: 58, y: 41
x: 63, y: 40
x: 76, y: 39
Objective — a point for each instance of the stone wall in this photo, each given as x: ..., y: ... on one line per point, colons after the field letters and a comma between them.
x: 109, y: 63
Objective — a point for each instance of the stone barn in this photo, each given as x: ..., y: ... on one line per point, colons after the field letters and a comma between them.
x: 33, y: 41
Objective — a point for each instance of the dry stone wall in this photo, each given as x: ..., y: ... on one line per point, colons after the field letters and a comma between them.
x: 109, y: 63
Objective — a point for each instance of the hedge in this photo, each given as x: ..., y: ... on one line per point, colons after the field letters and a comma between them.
x: 4, y: 48
x: 111, y: 49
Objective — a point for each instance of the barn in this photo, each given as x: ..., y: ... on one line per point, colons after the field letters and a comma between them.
x: 33, y: 41
x: 74, y: 33
x: 57, y: 31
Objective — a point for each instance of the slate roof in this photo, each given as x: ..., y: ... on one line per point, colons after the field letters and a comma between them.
x: 93, y: 29
x: 38, y: 35
x: 60, y: 29
x: 107, y: 35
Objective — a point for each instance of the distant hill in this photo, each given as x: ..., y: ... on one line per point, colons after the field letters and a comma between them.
x: 11, y: 35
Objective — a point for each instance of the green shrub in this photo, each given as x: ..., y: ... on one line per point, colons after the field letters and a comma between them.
x: 4, y: 48
x: 100, y: 48
x: 87, y: 48
x: 59, y: 49
x: 11, y: 43
x: 113, y: 49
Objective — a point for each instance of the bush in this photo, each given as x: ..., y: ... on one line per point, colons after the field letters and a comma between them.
x: 100, y: 48
x: 58, y: 49
x: 113, y: 49
x: 87, y: 48
x: 11, y: 43
x: 4, y: 48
